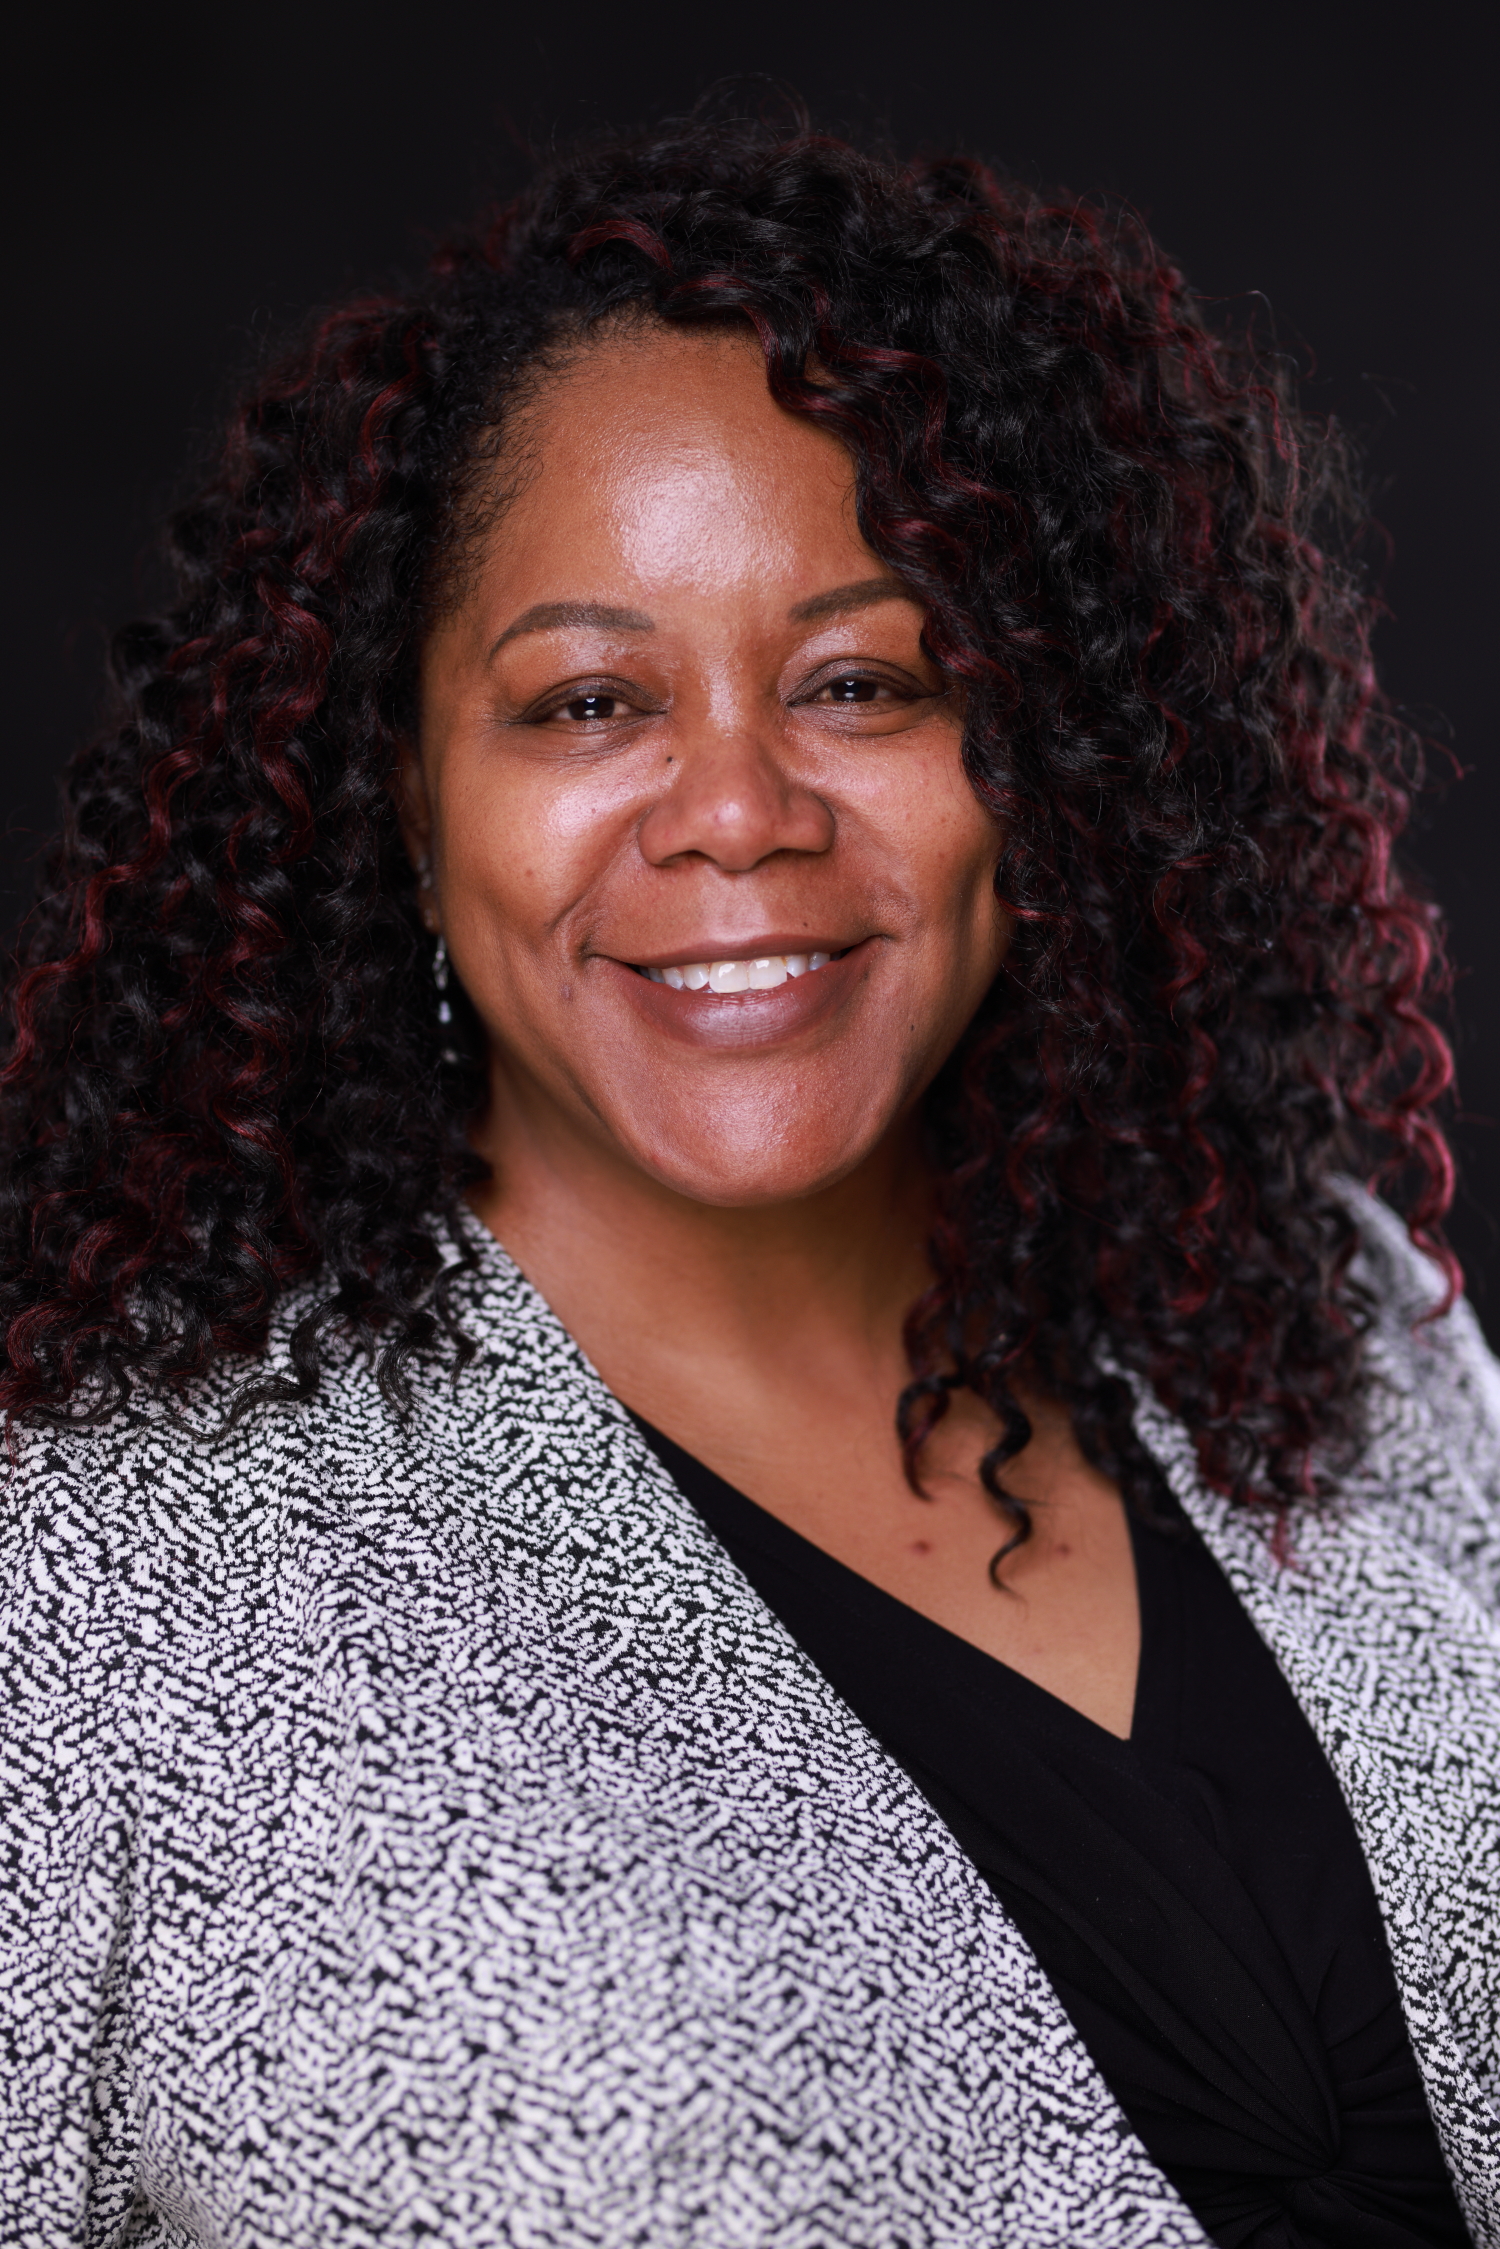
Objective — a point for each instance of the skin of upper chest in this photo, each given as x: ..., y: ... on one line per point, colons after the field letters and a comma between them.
x: 1061, y: 1608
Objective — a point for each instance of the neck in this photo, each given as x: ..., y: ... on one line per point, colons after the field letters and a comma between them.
x: 667, y: 1294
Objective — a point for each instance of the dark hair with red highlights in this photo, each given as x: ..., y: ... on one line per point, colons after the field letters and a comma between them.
x: 226, y: 1071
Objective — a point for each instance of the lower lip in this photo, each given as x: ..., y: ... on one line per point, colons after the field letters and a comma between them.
x: 744, y: 1019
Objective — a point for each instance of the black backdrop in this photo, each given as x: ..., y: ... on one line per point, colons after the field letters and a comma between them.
x: 193, y: 179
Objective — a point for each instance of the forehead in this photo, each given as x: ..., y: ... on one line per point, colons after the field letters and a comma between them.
x: 662, y: 450
x: 650, y: 383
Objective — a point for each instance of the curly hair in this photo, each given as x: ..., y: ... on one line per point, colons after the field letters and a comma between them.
x: 225, y: 1070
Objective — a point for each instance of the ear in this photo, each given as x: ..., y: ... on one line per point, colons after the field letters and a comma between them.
x: 414, y: 816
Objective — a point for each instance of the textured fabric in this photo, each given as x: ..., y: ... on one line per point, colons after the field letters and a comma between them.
x: 1196, y: 1895
x: 423, y: 1832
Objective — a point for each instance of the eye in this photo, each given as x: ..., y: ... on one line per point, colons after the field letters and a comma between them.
x: 597, y: 706
x: 584, y: 708
x: 852, y: 687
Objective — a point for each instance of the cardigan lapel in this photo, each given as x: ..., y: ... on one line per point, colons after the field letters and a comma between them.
x: 1398, y: 1670
x: 755, y: 1744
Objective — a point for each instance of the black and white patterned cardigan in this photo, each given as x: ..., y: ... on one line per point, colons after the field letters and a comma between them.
x: 421, y: 1833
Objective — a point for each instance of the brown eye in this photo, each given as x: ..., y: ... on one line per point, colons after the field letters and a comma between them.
x: 852, y: 689
x: 586, y: 707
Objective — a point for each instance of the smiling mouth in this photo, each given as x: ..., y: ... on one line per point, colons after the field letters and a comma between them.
x: 762, y: 974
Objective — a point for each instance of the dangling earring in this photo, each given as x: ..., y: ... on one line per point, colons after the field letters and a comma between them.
x: 440, y: 974
x: 422, y: 868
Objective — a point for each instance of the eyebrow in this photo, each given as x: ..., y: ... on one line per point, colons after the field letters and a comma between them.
x: 548, y: 616
x: 862, y: 594
x: 552, y: 616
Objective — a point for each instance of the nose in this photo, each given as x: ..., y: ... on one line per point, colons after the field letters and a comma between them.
x: 731, y: 800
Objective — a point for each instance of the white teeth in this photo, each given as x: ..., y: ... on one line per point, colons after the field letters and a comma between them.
x: 761, y: 975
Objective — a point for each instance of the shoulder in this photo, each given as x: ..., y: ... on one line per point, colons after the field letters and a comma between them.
x: 156, y: 1528
x: 1424, y: 1488
x: 99, y: 1520
x: 1431, y: 1460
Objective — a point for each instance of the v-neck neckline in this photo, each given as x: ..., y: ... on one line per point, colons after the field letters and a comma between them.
x: 1156, y: 1705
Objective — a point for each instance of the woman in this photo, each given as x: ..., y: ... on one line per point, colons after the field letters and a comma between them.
x: 727, y: 1526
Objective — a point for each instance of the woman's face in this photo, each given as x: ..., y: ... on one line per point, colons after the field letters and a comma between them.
x: 682, y: 723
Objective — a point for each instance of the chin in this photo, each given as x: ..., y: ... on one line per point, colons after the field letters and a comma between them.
x: 752, y: 1177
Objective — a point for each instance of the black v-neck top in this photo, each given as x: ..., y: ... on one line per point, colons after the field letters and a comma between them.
x: 1197, y: 1894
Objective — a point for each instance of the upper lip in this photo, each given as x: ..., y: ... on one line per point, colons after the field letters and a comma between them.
x: 740, y: 949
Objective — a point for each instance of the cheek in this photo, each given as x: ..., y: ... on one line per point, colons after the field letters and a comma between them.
x: 524, y: 843
x: 937, y: 833
x: 956, y: 850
